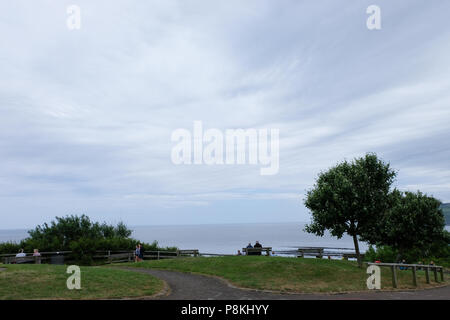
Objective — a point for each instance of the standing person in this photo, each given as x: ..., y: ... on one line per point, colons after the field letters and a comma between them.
x: 136, y: 253
x: 257, y: 246
x: 141, y: 252
x: 239, y: 253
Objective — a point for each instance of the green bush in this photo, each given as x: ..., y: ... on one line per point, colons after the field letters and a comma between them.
x: 79, y: 235
x: 439, y: 253
x: 381, y: 253
x: 9, y: 247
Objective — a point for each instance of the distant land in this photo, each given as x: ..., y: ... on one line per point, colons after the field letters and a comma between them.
x: 446, y: 208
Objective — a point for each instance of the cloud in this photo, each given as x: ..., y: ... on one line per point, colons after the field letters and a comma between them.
x: 86, y: 116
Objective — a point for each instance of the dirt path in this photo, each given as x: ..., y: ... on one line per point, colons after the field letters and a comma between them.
x: 186, y: 286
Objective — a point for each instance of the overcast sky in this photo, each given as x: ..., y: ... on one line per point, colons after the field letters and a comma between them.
x: 86, y: 115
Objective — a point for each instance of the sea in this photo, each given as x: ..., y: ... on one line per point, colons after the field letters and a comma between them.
x: 226, y: 238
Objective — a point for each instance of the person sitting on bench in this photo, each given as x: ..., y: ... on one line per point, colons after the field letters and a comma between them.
x: 249, y: 246
x: 21, y: 254
x: 257, y: 246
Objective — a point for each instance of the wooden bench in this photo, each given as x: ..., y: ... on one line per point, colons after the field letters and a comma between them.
x: 317, y: 252
x: 190, y: 252
x: 18, y: 260
x: 346, y: 256
x: 257, y: 251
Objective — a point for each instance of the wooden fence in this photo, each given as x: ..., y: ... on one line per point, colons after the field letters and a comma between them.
x: 414, y: 268
x: 107, y: 257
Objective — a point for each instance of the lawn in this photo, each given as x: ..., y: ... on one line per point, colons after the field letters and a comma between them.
x: 286, y: 274
x: 49, y: 282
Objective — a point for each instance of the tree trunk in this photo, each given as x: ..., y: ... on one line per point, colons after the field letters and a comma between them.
x: 358, y: 255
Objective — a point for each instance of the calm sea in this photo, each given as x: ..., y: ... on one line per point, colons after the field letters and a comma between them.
x: 224, y: 238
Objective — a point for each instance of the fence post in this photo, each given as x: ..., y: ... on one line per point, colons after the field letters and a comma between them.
x: 320, y: 254
x: 394, y: 276
x: 442, y: 274
x: 109, y: 257
x: 158, y: 255
x: 435, y: 274
x: 427, y: 274
x: 414, y: 276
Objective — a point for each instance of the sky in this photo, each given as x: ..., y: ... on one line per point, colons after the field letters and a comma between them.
x: 86, y: 115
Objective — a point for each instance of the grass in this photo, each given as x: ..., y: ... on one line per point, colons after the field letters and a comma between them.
x: 287, y: 274
x: 49, y: 282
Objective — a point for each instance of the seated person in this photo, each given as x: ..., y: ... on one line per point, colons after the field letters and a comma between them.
x: 259, y: 246
x: 249, y: 246
x: 21, y: 254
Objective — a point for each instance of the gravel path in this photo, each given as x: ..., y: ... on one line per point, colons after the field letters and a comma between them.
x: 186, y: 286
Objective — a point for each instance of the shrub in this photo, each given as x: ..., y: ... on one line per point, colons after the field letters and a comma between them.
x: 79, y: 235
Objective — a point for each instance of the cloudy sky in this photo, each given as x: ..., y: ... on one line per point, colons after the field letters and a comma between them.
x: 86, y: 116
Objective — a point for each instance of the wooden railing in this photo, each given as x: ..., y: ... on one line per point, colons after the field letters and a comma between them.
x: 51, y: 257
x: 104, y: 255
x: 414, y: 268
x: 29, y: 259
x: 128, y: 256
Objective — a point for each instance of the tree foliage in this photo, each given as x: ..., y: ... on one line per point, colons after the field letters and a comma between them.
x: 79, y: 235
x: 414, y: 222
x: 349, y: 197
x: 355, y: 198
x: 61, y: 233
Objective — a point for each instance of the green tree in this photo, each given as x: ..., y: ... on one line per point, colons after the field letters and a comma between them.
x: 414, y: 222
x: 349, y: 198
x: 81, y: 236
x: 61, y: 233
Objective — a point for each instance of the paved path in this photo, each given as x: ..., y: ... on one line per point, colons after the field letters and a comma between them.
x: 186, y: 286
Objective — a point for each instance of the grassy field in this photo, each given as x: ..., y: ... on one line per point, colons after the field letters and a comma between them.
x: 49, y: 282
x: 286, y: 274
